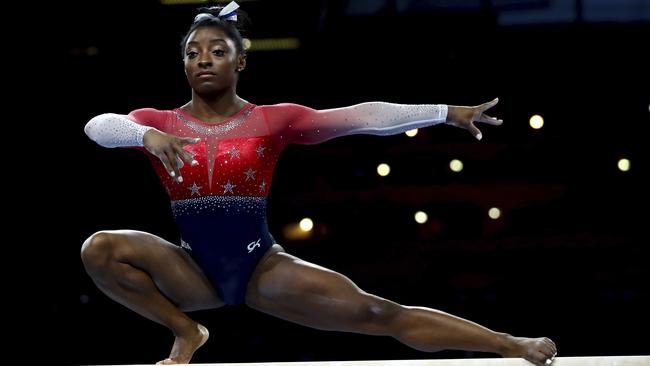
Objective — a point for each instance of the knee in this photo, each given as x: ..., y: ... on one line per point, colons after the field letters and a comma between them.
x: 98, y: 250
x: 377, y: 311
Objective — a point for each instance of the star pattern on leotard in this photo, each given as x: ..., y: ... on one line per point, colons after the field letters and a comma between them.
x: 263, y: 185
x: 185, y: 245
x: 234, y: 152
x: 260, y: 151
x: 250, y: 174
x: 195, y: 189
x: 228, y: 187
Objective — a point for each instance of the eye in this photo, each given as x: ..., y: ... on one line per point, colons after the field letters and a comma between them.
x: 191, y: 54
x: 219, y: 52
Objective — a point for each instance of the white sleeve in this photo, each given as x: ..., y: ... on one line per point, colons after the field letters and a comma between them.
x: 379, y: 118
x: 115, y: 130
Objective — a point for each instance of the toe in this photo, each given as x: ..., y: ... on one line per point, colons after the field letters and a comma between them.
x: 538, y: 358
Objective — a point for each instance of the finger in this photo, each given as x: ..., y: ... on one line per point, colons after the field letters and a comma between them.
x: 489, y: 120
x: 188, y: 140
x: 475, y: 131
x: 173, y: 163
x: 186, y: 155
x: 485, y: 106
x: 165, y: 162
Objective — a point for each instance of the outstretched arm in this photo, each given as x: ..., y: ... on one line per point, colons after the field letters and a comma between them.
x: 118, y: 130
x: 303, y: 125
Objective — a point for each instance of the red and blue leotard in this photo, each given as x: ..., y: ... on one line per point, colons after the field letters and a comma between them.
x: 220, y: 207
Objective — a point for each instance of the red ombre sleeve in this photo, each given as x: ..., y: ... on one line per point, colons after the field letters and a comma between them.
x: 294, y: 123
x: 150, y: 117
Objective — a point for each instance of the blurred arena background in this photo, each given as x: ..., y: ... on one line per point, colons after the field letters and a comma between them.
x: 537, y: 230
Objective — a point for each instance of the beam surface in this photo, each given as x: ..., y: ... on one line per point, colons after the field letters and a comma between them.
x: 559, y: 361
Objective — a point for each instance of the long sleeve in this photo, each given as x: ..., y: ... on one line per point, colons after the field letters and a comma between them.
x: 302, y: 125
x: 117, y: 130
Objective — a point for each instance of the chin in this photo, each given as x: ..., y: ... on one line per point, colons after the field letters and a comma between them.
x: 207, y: 89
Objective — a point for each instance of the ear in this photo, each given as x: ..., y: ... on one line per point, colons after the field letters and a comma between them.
x: 241, y: 62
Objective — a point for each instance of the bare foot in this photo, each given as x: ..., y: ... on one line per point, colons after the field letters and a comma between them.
x: 536, y: 350
x: 185, y: 346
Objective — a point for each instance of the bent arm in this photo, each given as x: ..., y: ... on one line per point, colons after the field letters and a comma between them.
x: 115, y: 130
x: 309, y: 126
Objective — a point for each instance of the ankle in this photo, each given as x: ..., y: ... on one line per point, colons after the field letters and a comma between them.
x: 505, y: 344
x: 184, y: 327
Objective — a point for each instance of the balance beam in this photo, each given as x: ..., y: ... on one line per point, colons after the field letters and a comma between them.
x: 559, y: 361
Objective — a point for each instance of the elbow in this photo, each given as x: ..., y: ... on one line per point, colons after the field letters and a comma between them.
x: 94, y: 125
x: 89, y: 127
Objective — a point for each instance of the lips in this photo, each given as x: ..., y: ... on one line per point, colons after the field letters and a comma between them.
x: 205, y: 74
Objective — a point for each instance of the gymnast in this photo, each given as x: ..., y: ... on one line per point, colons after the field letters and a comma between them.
x: 215, y: 156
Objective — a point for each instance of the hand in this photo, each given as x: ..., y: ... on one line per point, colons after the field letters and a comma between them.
x: 465, y: 117
x: 169, y: 149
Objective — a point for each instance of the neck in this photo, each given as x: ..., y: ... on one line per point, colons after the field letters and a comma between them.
x: 215, y: 106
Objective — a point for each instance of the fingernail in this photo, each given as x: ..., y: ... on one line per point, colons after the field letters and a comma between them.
x: 194, y: 163
x: 180, y: 179
x: 172, y: 174
x: 479, y: 136
x: 197, y: 139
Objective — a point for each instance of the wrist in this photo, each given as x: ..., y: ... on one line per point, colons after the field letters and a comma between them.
x: 452, y: 113
x: 148, y: 134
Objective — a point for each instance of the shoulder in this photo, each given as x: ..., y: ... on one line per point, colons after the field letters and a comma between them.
x: 149, y: 114
x: 283, y: 109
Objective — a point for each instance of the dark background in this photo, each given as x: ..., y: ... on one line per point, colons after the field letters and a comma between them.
x: 568, y: 259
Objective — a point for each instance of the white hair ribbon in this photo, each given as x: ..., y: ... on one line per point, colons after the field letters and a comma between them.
x: 229, y: 12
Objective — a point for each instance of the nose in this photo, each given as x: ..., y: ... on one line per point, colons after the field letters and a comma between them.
x: 205, y: 64
x: 205, y: 61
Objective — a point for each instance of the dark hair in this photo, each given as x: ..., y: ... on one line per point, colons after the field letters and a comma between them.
x: 233, y: 29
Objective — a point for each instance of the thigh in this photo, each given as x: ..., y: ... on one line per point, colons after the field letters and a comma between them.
x: 296, y: 290
x: 174, y: 272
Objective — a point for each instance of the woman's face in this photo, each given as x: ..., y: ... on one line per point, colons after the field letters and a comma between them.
x: 211, y: 60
